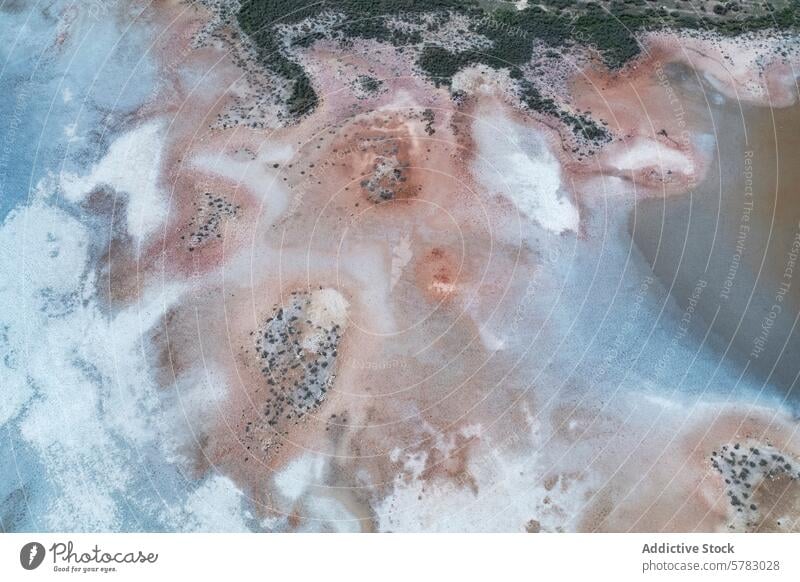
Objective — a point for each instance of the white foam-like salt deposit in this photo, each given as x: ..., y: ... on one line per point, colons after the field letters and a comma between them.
x: 401, y: 256
x: 328, y: 307
x: 13, y: 400
x: 131, y: 166
x: 58, y: 402
x: 215, y: 506
x: 42, y: 257
x: 509, y: 494
x: 644, y: 153
x: 330, y: 512
x: 303, y: 479
x: 515, y: 161
x: 76, y: 381
x: 257, y: 176
x: 84, y: 425
x: 70, y: 132
x: 366, y: 265
x: 490, y: 340
x: 194, y: 403
x: 301, y: 473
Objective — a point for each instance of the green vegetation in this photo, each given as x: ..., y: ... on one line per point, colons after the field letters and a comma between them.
x: 258, y: 20
x: 607, y: 26
x: 369, y: 85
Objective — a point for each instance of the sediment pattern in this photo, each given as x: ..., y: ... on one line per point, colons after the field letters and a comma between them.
x: 342, y: 266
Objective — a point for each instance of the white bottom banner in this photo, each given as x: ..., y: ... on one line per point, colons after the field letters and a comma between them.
x: 357, y: 557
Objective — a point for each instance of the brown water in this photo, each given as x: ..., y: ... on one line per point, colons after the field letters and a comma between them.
x: 738, y: 232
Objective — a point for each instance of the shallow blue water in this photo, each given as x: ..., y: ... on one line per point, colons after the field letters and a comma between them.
x: 62, y: 100
x: 59, y: 99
